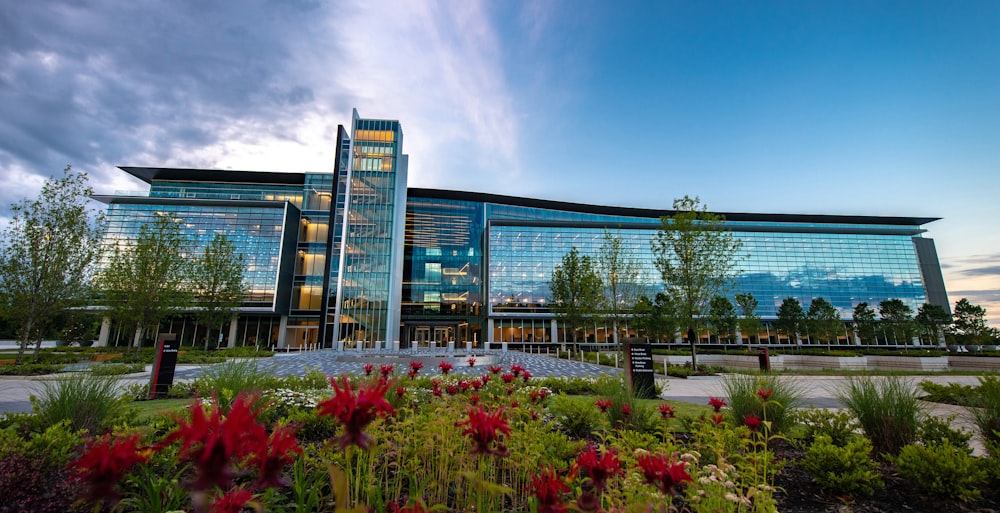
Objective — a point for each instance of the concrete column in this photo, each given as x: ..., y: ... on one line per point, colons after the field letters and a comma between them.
x: 468, y: 347
x: 232, y: 332
x: 102, y: 339
x: 489, y: 331
x: 282, y: 328
x: 554, y: 331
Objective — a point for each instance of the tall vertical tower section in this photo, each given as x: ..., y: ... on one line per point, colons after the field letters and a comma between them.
x: 371, y: 250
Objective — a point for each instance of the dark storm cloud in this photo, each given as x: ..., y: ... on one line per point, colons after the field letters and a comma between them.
x: 100, y: 83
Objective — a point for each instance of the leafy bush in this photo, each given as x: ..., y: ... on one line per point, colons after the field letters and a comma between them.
x: 847, y: 469
x: 742, y: 390
x: 951, y: 393
x: 29, y: 369
x: 936, y: 430
x: 942, y: 469
x: 679, y: 371
x: 116, y: 369
x: 579, y: 418
x: 570, y: 386
x: 226, y: 380
x: 885, y: 407
x: 244, y: 352
x: 626, y: 411
x: 33, y: 472
x: 88, y: 402
x: 838, y: 425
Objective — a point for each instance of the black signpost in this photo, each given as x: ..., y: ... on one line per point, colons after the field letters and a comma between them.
x: 163, y: 366
x: 639, y: 370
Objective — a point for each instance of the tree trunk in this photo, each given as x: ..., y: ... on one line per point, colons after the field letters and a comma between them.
x: 38, y: 348
x: 692, y: 337
x: 23, y: 344
x: 137, y: 340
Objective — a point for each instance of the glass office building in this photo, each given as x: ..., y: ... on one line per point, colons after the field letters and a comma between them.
x: 335, y: 260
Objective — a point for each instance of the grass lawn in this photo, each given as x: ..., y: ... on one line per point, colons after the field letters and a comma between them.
x: 680, y: 408
x: 149, y: 409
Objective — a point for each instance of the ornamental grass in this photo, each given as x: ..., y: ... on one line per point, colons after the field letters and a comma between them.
x: 886, y: 409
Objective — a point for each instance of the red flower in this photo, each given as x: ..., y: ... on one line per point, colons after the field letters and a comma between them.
x: 472, y: 362
x: 213, y: 444
x: 718, y: 419
x: 507, y: 378
x: 463, y: 385
x: 417, y: 506
x: 765, y: 394
x: 400, y: 392
x: 105, y: 462
x: 477, y: 384
x: 663, y: 472
x: 539, y: 395
x: 626, y: 411
x: 355, y: 412
x: 273, y: 454
x: 548, y: 490
x: 445, y: 367
x: 514, y: 404
x: 534, y: 415
x: 603, y: 404
x: 451, y: 389
x: 474, y: 399
x: 599, y: 467
x: 368, y: 368
x: 386, y: 370
x: 666, y: 411
x: 484, y: 429
x: 525, y: 375
x: 516, y: 369
x: 752, y: 422
x: 231, y: 501
x: 717, y: 403
x: 412, y: 374
x: 485, y: 378
x: 416, y: 365
x: 496, y: 369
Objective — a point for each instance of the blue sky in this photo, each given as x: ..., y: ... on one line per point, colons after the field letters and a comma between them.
x: 875, y: 108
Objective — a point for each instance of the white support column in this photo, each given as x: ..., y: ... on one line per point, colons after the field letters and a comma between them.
x: 102, y: 339
x: 232, y: 332
x: 282, y: 328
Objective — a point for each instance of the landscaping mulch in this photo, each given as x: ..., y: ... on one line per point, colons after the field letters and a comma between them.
x: 801, y: 495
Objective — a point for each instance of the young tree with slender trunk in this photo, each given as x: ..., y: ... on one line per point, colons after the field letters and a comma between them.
x: 749, y: 322
x: 721, y: 318
x: 144, y: 282
x: 791, y: 319
x: 217, y: 283
x: 970, y: 323
x: 897, y: 316
x: 864, y: 322
x: 576, y: 290
x: 932, y: 320
x: 620, y: 272
x: 697, y: 258
x: 823, y: 321
x: 46, y: 256
x: 656, y: 318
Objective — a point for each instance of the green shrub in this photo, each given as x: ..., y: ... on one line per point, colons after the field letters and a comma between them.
x: 244, y: 352
x: 116, y: 369
x: 847, y: 469
x: 579, y: 418
x: 742, y: 390
x: 626, y: 410
x: 227, y: 380
x: 570, y: 386
x: 942, y: 469
x: 936, y: 430
x: 838, y: 425
x: 886, y: 408
x: 985, y: 410
x: 88, y: 402
x: 679, y: 371
x: 951, y: 393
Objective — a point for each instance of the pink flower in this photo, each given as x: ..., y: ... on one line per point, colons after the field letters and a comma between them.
x: 445, y: 367
x: 484, y: 429
x: 105, y: 462
x: 666, y: 411
x: 600, y: 467
x: 663, y: 472
x: 548, y: 491
x: 603, y: 404
x: 355, y: 412
x: 717, y: 403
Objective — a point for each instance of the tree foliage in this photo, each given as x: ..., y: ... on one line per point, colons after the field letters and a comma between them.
x: 897, y: 319
x: 749, y: 322
x: 217, y: 283
x: 46, y: 256
x: 970, y: 323
x: 656, y: 318
x: 864, y: 322
x: 620, y: 271
x: 791, y: 319
x: 576, y: 290
x: 697, y: 258
x: 722, y: 318
x: 143, y: 282
x: 932, y: 319
x: 823, y: 321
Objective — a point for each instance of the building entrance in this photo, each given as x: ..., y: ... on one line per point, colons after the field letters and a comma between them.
x: 424, y: 334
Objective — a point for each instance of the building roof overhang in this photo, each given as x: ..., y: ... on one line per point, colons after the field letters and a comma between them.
x: 149, y: 174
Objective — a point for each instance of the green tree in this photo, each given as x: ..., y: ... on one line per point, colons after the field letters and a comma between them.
x: 721, y: 318
x: 46, y: 256
x: 864, y: 322
x: 697, y: 257
x: 576, y: 290
x: 217, y: 283
x: 749, y: 322
x: 656, y: 318
x: 823, y: 321
x: 897, y: 317
x: 970, y: 323
x: 791, y: 319
x: 143, y: 282
x: 620, y: 271
x: 932, y: 319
